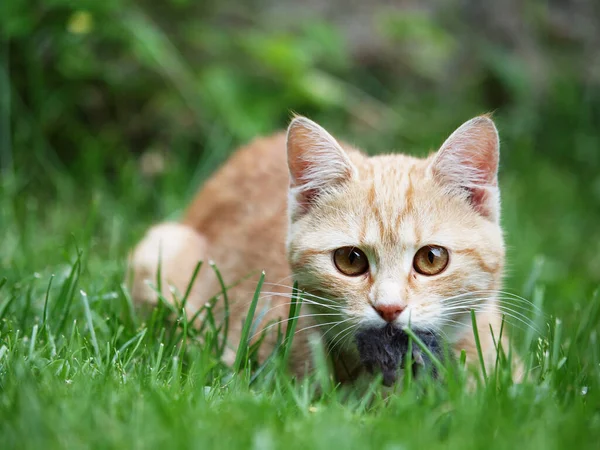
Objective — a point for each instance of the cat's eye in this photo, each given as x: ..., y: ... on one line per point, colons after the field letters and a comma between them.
x: 351, y: 261
x: 431, y: 260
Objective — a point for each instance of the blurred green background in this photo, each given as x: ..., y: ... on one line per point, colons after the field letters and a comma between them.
x: 113, y: 113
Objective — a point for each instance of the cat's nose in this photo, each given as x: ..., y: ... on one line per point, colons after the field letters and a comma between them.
x: 389, y: 313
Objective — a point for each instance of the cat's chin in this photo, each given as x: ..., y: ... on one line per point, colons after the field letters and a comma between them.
x: 384, y: 349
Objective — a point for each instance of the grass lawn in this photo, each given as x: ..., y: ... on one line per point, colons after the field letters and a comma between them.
x: 80, y: 368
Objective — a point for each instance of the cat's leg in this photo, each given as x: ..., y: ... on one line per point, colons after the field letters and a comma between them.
x: 179, y: 249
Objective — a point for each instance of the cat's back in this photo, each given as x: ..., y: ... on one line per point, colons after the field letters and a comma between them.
x: 241, y: 212
x: 247, y: 193
x: 238, y: 221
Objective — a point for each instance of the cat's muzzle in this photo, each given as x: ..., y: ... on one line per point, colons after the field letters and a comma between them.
x: 385, y: 349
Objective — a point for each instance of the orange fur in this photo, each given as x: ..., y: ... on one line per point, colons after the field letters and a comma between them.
x: 264, y: 204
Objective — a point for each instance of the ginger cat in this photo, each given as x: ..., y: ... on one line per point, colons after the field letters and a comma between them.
x: 372, y: 241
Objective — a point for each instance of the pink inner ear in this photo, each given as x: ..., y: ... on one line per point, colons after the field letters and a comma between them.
x: 316, y: 162
x: 299, y: 169
x: 479, y: 200
x: 483, y: 154
x: 468, y: 160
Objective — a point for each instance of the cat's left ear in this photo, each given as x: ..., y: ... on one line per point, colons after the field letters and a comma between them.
x: 467, y: 164
x: 317, y: 164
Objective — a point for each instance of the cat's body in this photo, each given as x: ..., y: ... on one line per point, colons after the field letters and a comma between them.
x: 238, y: 220
x: 363, y: 236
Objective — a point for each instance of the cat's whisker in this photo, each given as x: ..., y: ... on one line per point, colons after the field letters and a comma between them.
x: 299, y: 291
x: 346, y: 338
x: 461, y: 295
x: 290, y: 318
x: 447, y: 320
x: 335, y: 339
x: 498, y: 306
x: 305, y: 296
x: 278, y: 282
x: 434, y: 329
x: 333, y: 325
x: 508, y: 298
x: 471, y: 301
x: 506, y: 310
x: 335, y: 342
x: 304, y: 300
x: 504, y: 296
x: 508, y: 320
x: 525, y: 308
x: 471, y: 298
x: 521, y: 318
x: 288, y: 304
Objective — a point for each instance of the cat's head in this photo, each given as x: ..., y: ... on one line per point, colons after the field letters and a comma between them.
x: 392, y: 238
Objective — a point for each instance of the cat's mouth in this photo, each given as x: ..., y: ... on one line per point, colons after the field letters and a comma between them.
x: 384, y: 349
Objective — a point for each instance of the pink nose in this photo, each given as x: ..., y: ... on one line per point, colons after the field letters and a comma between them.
x: 389, y: 313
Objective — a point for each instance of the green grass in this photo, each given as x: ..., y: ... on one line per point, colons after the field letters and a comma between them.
x: 79, y: 367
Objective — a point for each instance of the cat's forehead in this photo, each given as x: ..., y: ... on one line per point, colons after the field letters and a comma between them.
x: 386, y: 169
x: 395, y: 202
x: 393, y: 210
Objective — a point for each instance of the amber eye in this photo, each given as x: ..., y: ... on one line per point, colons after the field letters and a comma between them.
x: 431, y: 260
x: 350, y: 261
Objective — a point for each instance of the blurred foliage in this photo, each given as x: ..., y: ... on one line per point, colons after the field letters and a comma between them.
x: 97, y: 90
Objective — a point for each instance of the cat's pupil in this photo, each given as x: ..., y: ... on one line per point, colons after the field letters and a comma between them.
x: 430, y: 256
x: 353, y: 256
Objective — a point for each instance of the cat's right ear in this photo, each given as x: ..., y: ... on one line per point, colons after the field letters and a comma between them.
x: 317, y: 163
x: 467, y: 164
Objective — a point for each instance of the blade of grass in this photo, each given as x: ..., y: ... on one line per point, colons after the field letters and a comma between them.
x: 225, y: 330
x: 369, y: 394
x: 46, y: 300
x: 272, y: 357
x: 209, y: 319
x: 240, y: 357
x: 67, y: 293
x: 184, y: 337
x: 478, y: 345
x: 538, y: 299
x: 498, y: 346
x: 295, y: 305
x: 434, y: 359
x: 140, y: 338
x: 556, y: 343
x: 156, y: 366
x: 128, y: 304
x: 191, y: 284
x: 321, y: 367
x: 51, y: 341
x: 159, y: 270
x: 32, y: 340
x: 6, y: 306
x: 25, y: 313
x: 408, y: 364
x: 175, y: 373
x: 88, y: 318
x: 463, y: 358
